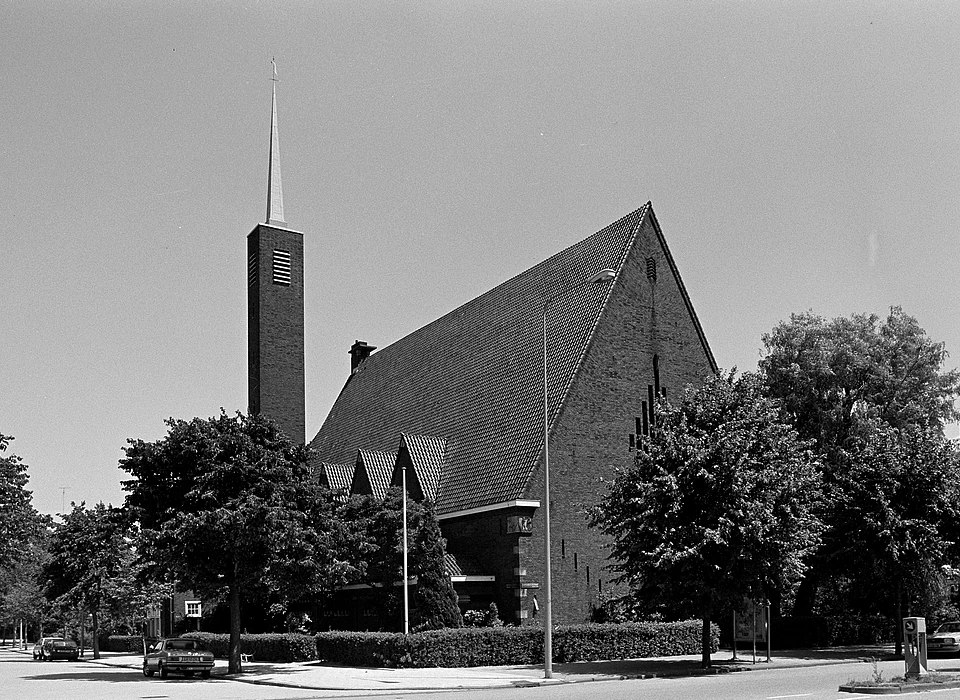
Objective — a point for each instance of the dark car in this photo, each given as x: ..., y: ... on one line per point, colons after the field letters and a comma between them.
x: 946, y: 639
x: 186, y: 656
x: 38, y: 648
x: 59, y: 649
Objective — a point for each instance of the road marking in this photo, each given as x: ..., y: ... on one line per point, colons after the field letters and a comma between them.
x: 778, y: 697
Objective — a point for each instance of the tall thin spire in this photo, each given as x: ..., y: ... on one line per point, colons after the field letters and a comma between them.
x: 274, y: 184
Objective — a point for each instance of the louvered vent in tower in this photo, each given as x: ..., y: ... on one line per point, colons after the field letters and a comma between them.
x: 652, y: 269
x: 281, y: 267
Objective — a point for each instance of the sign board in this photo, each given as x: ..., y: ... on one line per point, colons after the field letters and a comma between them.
x: 751, y: 622
x: 519, y: 524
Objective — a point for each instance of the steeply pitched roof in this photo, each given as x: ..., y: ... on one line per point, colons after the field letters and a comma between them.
x: 475, y: 375
x: 462, y: 566
x: 337, y: 477
x: 373, y: 471
x: 424, y: 457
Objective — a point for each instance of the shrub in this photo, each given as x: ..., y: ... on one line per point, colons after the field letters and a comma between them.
x: 278, y: 648
x: 474, y: 618
x: 497, y: 646
x: 793, y: 632
x: 123, y: 642
x: 631, y: 640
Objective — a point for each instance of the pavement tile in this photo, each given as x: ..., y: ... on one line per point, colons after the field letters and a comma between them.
x: 320, y: 675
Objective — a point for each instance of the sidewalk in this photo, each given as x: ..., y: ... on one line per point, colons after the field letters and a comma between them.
x: 318, y: 675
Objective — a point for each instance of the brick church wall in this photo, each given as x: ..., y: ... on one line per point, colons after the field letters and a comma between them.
x: 489, y: 539
x: 275, y: 326
x: 591, y: 437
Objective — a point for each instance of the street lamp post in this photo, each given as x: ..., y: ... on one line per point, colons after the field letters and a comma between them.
x: 406, y: 594
x: 604, y: 275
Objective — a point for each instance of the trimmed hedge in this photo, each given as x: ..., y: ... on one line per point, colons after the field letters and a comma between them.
x: 276, y: 648
x: 132, y: 643
x: 833, y: 630
x: 631, y: 640
x: 488, y: 646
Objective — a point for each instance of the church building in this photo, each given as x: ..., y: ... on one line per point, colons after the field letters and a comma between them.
x: 566, y: 359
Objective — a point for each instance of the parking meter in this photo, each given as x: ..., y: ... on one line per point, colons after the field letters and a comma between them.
x: 915, y: 647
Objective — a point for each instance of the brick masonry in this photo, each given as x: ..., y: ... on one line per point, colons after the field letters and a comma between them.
x: 489, y: 540
x: 275, y: 332
x: 590, y: 438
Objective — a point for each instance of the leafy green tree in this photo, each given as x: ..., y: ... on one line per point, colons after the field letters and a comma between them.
x: 831, y: 375
x: 21, y: 586
x: 222, y: 507
x: 838, y: 381
x: 18, y: 519
x: 377, y: 545
x: 21, y: 531
x: 90, y: 554
x: 435, y: 599
x: 898, y: 512
x: 717, y: 506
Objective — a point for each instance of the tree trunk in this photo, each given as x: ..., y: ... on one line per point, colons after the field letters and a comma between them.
x: 234, y: 654
x: 96, y: 634
x: 705, y: 639
x: 806, y: 594
x: 898, y: 620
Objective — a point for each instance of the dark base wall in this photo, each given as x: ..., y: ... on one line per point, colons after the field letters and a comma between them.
x: 495, y: 544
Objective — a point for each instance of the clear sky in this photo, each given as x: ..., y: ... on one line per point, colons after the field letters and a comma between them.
x: 799, y: 156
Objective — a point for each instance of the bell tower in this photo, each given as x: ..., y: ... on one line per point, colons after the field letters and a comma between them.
x: 275, y: 372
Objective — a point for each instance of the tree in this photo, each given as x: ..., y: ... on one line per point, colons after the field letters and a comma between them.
x: 21, y: 585
x: 717, y: 506
x: 220, y: 503
x: 18, y: 520
x: 831, y: 375
x: 376, y: 541
x: 21, y: 528
x: 435, y: 599
x: 898, y: 512
x: 840, y: 381
x: 90, y: 556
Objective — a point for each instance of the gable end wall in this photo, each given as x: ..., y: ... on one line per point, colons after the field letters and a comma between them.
x: 590, y: 438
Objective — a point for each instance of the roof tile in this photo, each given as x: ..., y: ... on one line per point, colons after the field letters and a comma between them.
x: 474, y: 377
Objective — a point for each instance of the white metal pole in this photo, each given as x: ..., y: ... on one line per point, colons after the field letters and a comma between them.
x: 547, y: 593
x: 406, y: 596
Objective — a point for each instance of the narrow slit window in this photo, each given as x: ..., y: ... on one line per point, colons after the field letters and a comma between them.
x: 252, y: 269
x: 651, y: 407
x: 281, y: 267
x: 656, y: 374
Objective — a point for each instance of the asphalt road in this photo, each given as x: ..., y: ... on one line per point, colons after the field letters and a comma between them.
x: 810, y: 683
x: 24, y: 679
x: 21, y: 678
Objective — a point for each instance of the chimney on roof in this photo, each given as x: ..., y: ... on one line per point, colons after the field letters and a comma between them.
x: 359, y: 352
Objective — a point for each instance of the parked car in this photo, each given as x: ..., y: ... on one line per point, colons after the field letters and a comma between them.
x: 946, y: 639
x: 59, y: 649
x: 179, y: 655
x: 38, y: 648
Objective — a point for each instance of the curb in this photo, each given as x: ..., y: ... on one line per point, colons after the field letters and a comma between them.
x: 898, y: 688
x: 465, y: 684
